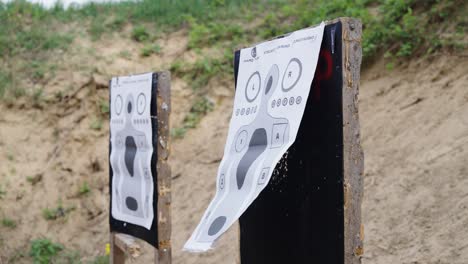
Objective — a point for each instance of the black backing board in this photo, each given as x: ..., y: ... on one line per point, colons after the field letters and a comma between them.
x: 150, y: 236
x: 298, y: 218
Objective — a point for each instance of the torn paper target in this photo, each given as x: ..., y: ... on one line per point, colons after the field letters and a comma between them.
x: 131, y: 131
x: 273, y: 85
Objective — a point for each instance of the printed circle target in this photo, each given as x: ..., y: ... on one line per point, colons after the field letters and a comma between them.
x: 118, y: 104
x: 141, y: 103
x: 292, y: 74
x: 252, y: 89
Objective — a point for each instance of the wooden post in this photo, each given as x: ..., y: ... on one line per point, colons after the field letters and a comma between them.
x: 117, y: 254
x: 353, y: 156
x: 164, y: 252
x: 122, y: 244
x: 310, y: 212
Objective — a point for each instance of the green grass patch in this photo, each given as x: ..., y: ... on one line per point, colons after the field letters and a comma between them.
x: 207, y: 34
x: 10, y: 156
x: 393, y: 27
x: 96, y: 123
x: 150, y: 49
x: 140, y: 33
x: 96, y: 29
x: 34, y: 179
x: 198, y: 74
x: 101, y: 260
x: 37, y: 39
x: 43, y: 251
x: 100, y: 25
x: 104, y: 107
x: 178, y: 132
x: 2, y: 192
x: 400, y: 28
x: 68, y: 257
x: 125, y: 54
x: 84, y: 189
x: 57, y: 212
x: 198, y: 110
x: 6, y: 80
x: 212, y: 21
x: 38, y: 97
x: 7, y: 222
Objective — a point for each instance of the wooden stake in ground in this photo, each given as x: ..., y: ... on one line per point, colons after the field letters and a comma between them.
x: 353, y: 156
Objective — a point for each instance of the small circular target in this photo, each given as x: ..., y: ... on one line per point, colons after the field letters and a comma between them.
x: 118, y: 104
x: 252, y: 89
x: 141, y: 103
x: 241, y: 141
x: 292, y: 74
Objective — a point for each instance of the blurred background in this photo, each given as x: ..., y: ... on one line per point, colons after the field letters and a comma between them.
x: 57, y: 58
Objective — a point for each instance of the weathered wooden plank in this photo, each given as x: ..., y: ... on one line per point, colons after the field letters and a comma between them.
x: 353, y: 157
x: 121, y: 246
x: 126, y: 244
x: 164, y: 253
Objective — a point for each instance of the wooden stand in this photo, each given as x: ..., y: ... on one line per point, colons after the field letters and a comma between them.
x: 121, y: 244
x: 311, y: 210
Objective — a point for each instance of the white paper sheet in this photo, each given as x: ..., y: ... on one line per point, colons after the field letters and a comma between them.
x: 273, y: 85
x: 131, y: 134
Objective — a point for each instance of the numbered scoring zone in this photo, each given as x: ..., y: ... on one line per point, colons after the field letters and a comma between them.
x: 291, y: 76
x: 251, y: 141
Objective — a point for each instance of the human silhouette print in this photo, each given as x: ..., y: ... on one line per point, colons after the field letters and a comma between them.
x: 247, y: 156
x: 132, y: 180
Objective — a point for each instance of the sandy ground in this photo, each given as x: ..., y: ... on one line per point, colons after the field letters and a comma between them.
x: 415, y: 138
x: 415, y: 133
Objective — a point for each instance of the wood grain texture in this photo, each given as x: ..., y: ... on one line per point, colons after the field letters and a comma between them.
x: 353, y: 157
x: 127, y: 244
x: 164, y: 253
x: 117, y: 254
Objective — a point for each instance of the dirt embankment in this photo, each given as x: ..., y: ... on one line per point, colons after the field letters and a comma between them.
x: 415, y: 137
